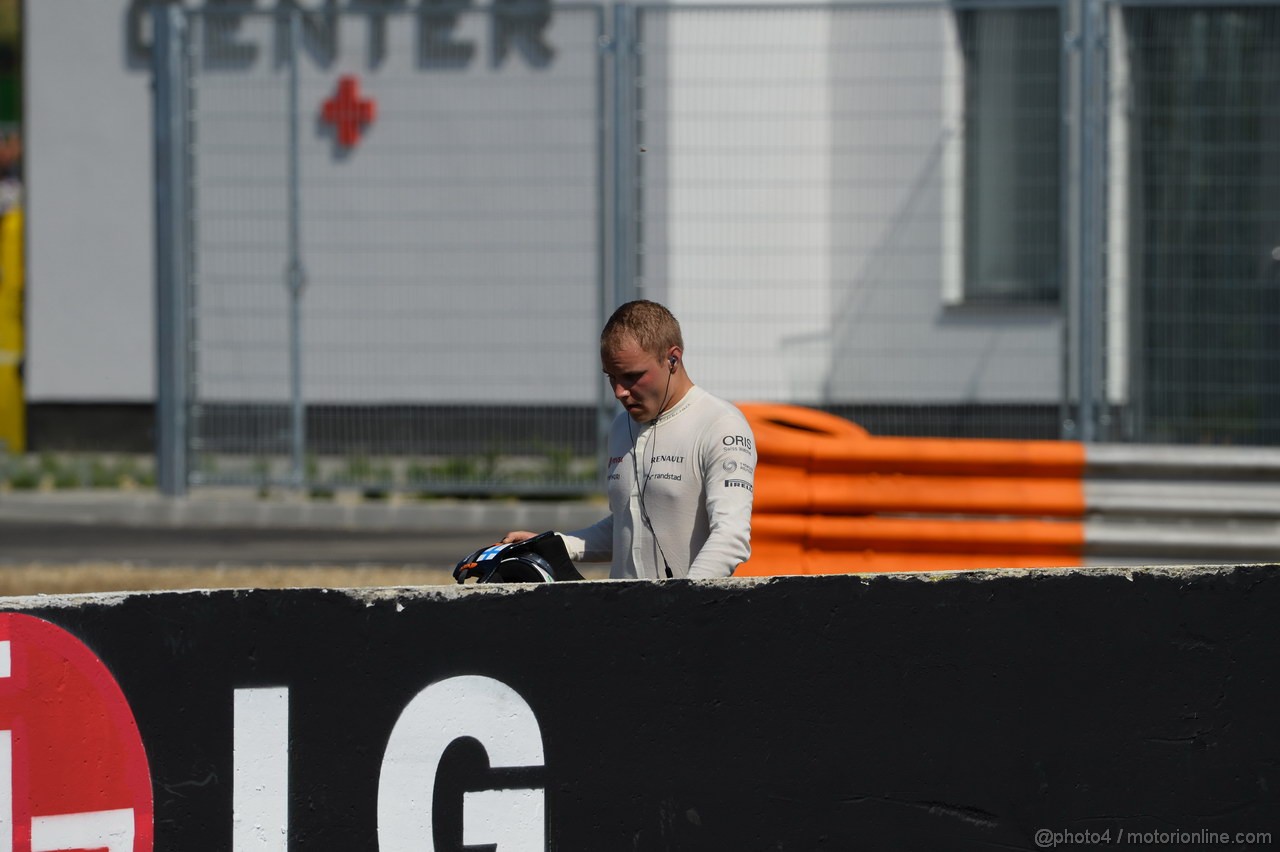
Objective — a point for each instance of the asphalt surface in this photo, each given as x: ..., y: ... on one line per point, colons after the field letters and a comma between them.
x: 237, y: 527
x: 53, y: 542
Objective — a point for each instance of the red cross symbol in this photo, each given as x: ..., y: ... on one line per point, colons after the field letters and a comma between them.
x: 348, y: 112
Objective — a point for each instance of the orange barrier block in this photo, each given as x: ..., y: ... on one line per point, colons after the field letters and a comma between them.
x: 814, y: 440
x: 823, y: 483
x: 773, y: 557
x: 784, y: 490
x: 770, y: 563
x: 835, y: 493
x: 918, y: 535
x: 777, y: 418
x: 953, y: 457
x: 789, y: 434
x: 893, y: 563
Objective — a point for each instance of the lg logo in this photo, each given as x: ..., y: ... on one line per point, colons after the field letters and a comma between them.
x: 440, y: 714
x: 511, y: 819
x: 74, y: 773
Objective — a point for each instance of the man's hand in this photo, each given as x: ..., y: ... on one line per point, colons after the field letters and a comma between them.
x: 515, y: 536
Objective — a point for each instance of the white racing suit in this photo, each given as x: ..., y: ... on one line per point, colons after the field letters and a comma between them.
x: 690, y: 513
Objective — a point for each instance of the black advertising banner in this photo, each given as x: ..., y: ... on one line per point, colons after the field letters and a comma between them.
x: 1017, y: 711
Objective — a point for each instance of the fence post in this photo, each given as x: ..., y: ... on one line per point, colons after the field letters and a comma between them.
x: 1093, y: 416
x: 605, y: 293
x: 624, y: 160
x: 623, y: 181
x: 169, y: 65
x: 295, y: 274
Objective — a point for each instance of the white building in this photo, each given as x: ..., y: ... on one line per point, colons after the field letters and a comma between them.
x: 858, y: 208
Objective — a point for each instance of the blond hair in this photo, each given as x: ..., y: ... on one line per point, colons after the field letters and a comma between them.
x: 654, y: 328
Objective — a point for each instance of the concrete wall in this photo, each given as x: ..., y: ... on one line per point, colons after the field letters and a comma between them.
x: 815, y: 276
x: 895, y: 334
x: 90, y: 320
x: 450, y: 256
x: 457, y: 239
x: 877, y: 712
x: 800, y: 191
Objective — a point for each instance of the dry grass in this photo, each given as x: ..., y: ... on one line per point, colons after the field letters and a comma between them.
x: 38, y: 579
x: 114, y: 577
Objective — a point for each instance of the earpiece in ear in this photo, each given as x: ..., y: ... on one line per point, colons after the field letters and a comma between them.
x: 672, y: 359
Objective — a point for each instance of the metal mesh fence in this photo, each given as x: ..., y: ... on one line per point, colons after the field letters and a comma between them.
x: 1199, y: 183
x: 858, y: 208
x: 239, y: 211
x: 407, y: 223
x: 446, y: 255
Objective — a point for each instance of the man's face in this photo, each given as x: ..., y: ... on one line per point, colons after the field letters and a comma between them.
x: 639, y: 380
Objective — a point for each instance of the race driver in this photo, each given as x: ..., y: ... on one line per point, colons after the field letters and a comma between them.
x: 681, y: 470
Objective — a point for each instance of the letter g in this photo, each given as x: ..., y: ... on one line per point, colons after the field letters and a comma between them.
x: 438, y: 715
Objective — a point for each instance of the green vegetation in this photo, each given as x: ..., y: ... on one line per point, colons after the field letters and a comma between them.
x: 52, y: 471
x: 549, y: 472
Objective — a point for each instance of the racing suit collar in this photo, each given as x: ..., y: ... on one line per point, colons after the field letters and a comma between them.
x: 676, y: 410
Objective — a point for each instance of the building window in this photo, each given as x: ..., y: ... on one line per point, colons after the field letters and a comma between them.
x: 1006, y: 158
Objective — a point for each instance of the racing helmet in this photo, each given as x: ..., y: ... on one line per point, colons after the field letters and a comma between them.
x: 541, y: 559
x: 497, y: 565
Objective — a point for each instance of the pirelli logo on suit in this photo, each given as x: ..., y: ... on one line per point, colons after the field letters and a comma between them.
x: 730, y: 466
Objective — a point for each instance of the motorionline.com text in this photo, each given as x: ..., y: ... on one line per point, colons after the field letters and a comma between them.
x: 1049, y: 839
